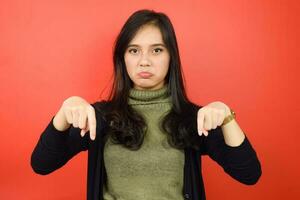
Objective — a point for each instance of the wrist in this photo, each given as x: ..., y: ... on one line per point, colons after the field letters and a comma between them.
x: 59, y: 122
x: 230, y: 115
x: 227, y: 111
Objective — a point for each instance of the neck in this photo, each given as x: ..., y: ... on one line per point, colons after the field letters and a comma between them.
x: 137, y: 96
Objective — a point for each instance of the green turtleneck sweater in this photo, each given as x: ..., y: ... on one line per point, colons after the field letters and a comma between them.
x: 155, y: 171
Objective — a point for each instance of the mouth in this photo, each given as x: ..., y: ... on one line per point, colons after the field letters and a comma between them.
x: 145, y: 74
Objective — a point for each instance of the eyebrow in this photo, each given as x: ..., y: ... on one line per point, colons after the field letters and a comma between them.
x: 152, y: 45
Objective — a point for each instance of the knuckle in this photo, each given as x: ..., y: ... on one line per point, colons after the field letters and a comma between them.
x: 91, y: 109
x: 68, y: 108
x: 73, y: 109
x: 81, y: 108
x: 81, y: 125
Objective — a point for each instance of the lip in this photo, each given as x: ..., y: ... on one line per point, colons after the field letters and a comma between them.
x: 145, y: 74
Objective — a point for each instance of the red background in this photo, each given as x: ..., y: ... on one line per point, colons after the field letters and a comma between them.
x: 243, y: 53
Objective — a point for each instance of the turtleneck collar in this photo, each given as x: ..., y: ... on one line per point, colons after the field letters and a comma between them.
x: 148, y: 96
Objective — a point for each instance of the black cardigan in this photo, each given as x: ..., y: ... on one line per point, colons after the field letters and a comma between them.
x: 55, y: 148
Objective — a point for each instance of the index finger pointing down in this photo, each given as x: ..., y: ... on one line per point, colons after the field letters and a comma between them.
x: 200, y: 120
x: 92, y: 122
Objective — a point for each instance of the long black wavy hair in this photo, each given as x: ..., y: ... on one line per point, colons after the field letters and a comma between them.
x: 127, y: 126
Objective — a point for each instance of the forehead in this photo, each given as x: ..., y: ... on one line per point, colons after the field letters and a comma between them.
x: 147, y: 35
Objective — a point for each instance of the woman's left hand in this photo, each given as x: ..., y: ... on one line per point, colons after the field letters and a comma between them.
x: 211, y: 116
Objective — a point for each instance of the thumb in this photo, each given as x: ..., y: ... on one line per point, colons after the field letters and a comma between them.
x: 83, y: 131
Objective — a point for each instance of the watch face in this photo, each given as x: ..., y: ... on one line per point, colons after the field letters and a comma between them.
x: 232, y: 112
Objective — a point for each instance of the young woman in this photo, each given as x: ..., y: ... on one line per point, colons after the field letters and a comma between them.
x: 147, y: 139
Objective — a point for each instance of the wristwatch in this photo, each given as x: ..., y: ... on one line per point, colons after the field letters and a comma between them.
x: 229, y: 117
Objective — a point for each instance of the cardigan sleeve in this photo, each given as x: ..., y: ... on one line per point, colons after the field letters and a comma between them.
x: 240, y: 162
x: 55, y: 148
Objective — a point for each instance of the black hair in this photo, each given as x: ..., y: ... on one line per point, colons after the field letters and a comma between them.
x: 127, y: 126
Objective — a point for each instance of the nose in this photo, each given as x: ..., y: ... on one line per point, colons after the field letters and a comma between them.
x: 144, y: 61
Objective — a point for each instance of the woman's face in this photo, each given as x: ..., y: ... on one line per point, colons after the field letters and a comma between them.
x: 147, y: 59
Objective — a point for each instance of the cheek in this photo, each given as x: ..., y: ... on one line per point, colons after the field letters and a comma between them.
x: 130, y: 71
x: 130, y: 62
x: 164, y: 63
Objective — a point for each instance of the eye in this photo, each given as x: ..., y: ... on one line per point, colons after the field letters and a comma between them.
x: 134, y: 51
x: 157, y: 50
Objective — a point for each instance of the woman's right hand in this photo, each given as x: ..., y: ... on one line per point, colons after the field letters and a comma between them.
x: 78, y: 112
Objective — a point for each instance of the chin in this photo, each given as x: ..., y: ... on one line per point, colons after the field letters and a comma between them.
x: 147, y: 83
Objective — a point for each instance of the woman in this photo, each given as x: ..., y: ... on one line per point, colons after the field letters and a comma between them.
x: 146, y: 141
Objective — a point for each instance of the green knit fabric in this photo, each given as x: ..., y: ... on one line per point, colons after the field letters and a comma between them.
x: 155, y: 171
